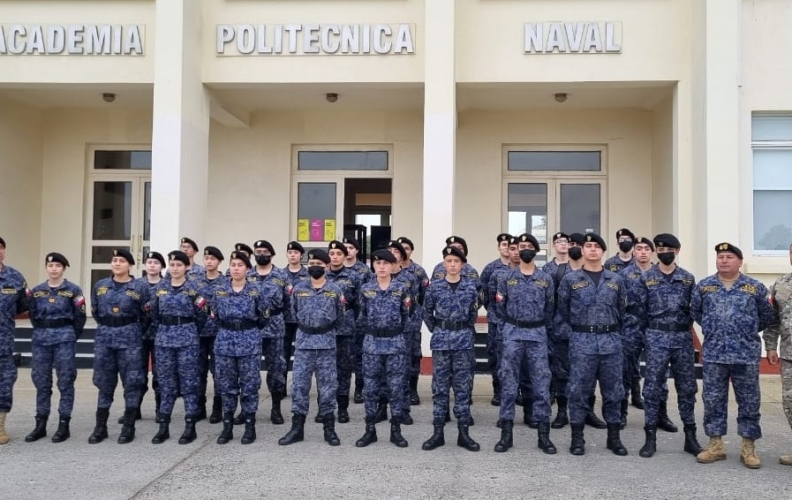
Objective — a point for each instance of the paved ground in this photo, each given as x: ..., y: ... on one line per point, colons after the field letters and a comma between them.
x: 312, y: 469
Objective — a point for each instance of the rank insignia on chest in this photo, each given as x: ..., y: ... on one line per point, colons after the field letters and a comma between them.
x: 511, y: 282
x: 542, y: 283
x: 9, y: 291
x: 651, y: 282
x: 65, y: 293
x: 160, y: 293
x: 101, y: 290
x: 369, y: 294
x: 40, y: 294
x: 303, y: 294
x: 579, y: 285
x: 748, y: 289
x: 132, y: 294
x: 710, y: 288
x: 612, y: 286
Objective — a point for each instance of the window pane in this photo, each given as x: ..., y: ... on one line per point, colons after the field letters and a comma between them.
x: 342, y: 160
x: 316, y: 211
x: 538, y: 161
x: 772, y: 169
x: 580, y: 208
x: 528, y: 210
x: 112, y: 211
x: 122, y: 160
x: 771, y: 128
x: 772, y: 224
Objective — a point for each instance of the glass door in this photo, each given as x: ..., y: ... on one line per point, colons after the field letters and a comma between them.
x: 318, y: 203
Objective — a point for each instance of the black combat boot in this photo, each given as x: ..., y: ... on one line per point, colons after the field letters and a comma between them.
x: 227, y: 434
x: 635, y: 394
x: 240, y: 419
x: 276, y: 417
x: 39, y: 431
x: 100, y: 431
x: 128, y: 430
x: 370, y: 436
x: 328, y: 423
x: 138, y: 415
x: 592, y: 419
x: 578, y: 444
x: 692, y: 445
x: 396, y: 435
x: 163, y: 434
x: 520, y: 401
x: 562, y: 418
x: 62, y: 434
x: 157, y: 403
x: 663, y: 422
x: 250, y: 428
x: 382, y: 412
x: 544, y: 443
x: 614, y: 440
x: 415, y: 399
x: 358, y: 397
x: 217, y: 410
x: 507, y: 436
x: 201, y: 408
x: 296, y: 433
x: 343, y: 409
x: 437, y: 439
x: 496, y: 391
x: 406, y: 418
x: 189, y: 435
x: 624, y: 405
x: 463, y: 438
x: 650, y: 446
x: 528, y: 417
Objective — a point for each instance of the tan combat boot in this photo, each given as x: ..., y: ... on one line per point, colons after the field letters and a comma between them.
x: 785, y: 460
x: 748, y: 454
x: 713, y: 452
x: 3, y: 435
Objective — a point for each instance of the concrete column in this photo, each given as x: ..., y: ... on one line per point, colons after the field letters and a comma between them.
x: 180, y: 142
x: 439, y: 129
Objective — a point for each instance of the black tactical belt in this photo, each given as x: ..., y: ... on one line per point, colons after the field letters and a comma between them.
x: 52, y: 323
x: 384, y: 332
x: 673, y: 327
x: 316, y: 331
x: 275, y: 312
x: 451, y: 325
x: 116, y: 321
x: 633, y: 310
x: 237, y: 325
x: 176, y: 320
x: 595, y: 328
x: 524, y: 324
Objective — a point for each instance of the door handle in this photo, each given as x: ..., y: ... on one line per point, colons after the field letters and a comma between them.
x: 140, y: 248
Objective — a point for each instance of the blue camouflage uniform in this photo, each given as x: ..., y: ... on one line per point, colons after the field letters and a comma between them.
x: 526, y: 305
x: 121, y: 313
x: 731, y: 320
x: 414, y: 288
x: 58, y: 318
x: 178, y: 314
x: 347, y: 281
x: 494, y: 336
x: 559, y: 340
x: 383, y: 317
x: 289, y: 320
x: 415, y: 323
x: 450, y: 314
x: 364, y: 275
x: 13, y: 301
x: 237, y: 348
x: 148, y: 354
x: 616, y: 265
x: 206, y: 359
x: 664, y: 313
x: 277, y: 285
x: 592, y: 314
x: 320, y: 314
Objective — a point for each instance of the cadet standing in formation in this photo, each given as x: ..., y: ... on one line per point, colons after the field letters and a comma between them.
x: 155, y: 262
x: 296, y: 273
x: 494, y: 335
x: 415, y: 323
x: 207, y: 284
x: 364, y: 275
x: 57, y: 312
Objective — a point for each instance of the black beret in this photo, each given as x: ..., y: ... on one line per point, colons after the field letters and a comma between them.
x: 405, y: 240
x: 578, y: 238
x: 293, y: 245
x: 625, y: 232
x: 560, y: 235
x: 319, y: 254
x: 179, y: 256
x: 2, y: 242
x: 513, y: 240
x: 125, y: 254
x: 156, y: 255
x: 337, y: 245
x: 383, y: 255
x: 352, y: 241
x: 645, y: 241
x: 457, y: 239
x: 264, y: 244
x: 244, y: 247
x: 56, y: 257
x: 455, y: 252
x: 728, y: 247
x: 529, y: 238
x: 214, y: 252
x: 503, y: 237
x: 667, y: 240
x: 595, y: 238
x: 190, y: 242
x: 241, y: 255
x: 398, y: 246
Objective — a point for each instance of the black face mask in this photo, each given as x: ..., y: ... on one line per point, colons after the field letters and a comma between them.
x: 575, y: 253
x: 263, y: 260
x: 666, y: 258
x: 625, y: 246
x: 316, y: 272
x: 527, y: 255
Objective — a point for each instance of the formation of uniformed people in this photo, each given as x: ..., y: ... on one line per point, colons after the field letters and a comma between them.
x: 555, y: 334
